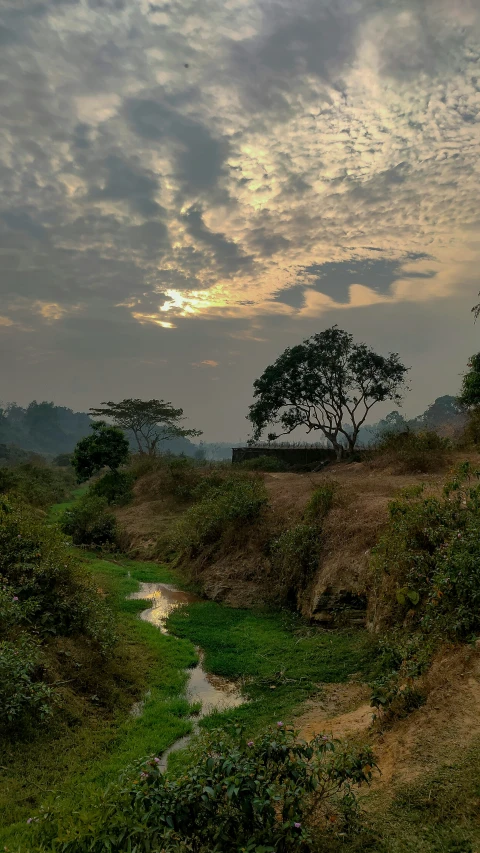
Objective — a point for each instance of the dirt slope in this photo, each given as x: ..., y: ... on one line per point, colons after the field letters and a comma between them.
x: 241, y: 575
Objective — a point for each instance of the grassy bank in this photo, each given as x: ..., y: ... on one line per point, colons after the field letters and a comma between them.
x: 76, y: 758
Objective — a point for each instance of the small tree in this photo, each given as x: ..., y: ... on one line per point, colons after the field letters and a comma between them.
x: 107, y: 447
x: 328, y: 383
x: 150, y: 421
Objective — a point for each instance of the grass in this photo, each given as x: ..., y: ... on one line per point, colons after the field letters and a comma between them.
x: 437, y: 814
x: 70, y: 764
x: 280, y: 659
x: 73, y: 763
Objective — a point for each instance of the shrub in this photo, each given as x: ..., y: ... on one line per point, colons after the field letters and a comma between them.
x: 89, y: 523
x: 116, y: 487
x: 225, y: 505
x: 320, y: 502
x: 37, y: 484
x: 427, y: 573
x: 264, y: 463
x: 402, y: 659
x: 24, y: 697
x: 240, y: 795
x: 295, y: 556
x: 413, y: 452
x: 43, y: 584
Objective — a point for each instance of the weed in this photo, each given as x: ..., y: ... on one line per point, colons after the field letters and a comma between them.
x: 413, y: 452
x: 89, y: 523
x: 234, y: 501
x: 295, y: 556
x: 321, y: 502
x: 240, y: 794
x: 264, y: 463
x: 115, y: 487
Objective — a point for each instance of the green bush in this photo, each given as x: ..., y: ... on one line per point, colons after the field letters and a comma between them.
x: 225, y: 505
x: 295, y: 556
x: 24, y: 697
x: 240, y: 795
x: 426, y: 570
x: 414, y: 452
x: 320, y: 502
x: 47, y: 588
x: 264, y: 463
x: 116, y: 487
x: 37, y: 484
x: 89, y: 523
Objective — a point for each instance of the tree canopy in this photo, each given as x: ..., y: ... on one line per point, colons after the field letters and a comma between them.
x: 150, y: 421
x: 107, y: 447
x: 469, y: 396
x: 328, y: 384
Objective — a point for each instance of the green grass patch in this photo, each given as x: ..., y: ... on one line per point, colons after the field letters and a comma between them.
x: 73, y: 762
x: 280, y: 660
x: 438, y: 814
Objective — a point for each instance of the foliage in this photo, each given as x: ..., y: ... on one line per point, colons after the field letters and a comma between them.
x: 24, y: 697
x: 89, y: 523
x: 320, y: 383
x: 38, y: 484
x: 92, y: 736
x: 255, y: 795
x: 469, y: 396
x: 279, y: 659
x: 53, y: 594
x: 106, y: 448
x: 224, y: 504
x: 42, y: 427
x: 295, y: 556
x: 401, y: 659
x: 115, y: 487
x: 321, y: 502
x: 264, y: 463
x: 413, y: 452
x: 150, y: 421
x: 427, y: 574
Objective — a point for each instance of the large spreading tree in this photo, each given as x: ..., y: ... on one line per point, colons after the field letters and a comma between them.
x: 327, y: 384
x: 150, y: 421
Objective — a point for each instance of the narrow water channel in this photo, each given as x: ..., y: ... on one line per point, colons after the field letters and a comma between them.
x: 212, y: 692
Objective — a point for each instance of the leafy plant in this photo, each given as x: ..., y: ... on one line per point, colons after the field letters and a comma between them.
x: 115, y: 487
x: 264, y: 463
x: 231, y: 502
x: 24, y: 697
x: 251, y: 795
x: 36, y: 483
x: 320, y: 502
x: 89, y: 523
x: 412, y: 452
x: 43, y: 580
x: 107, y: 447
x: 295, y: 556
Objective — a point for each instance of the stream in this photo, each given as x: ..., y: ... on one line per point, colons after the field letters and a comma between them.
x: 213, y: 692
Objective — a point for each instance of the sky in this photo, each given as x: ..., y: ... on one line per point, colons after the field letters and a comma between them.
x: 188, y: 187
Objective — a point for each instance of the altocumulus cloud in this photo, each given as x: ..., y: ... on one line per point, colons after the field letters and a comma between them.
x: 162, y: 162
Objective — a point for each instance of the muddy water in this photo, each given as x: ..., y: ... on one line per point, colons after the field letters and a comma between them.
x: 212, y: 692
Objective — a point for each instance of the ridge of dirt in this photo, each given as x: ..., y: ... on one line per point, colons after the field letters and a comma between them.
x: 240, y: 572
x: 432, y: 735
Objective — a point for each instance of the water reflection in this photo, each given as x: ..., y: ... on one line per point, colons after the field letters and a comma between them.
x: 214, y: 693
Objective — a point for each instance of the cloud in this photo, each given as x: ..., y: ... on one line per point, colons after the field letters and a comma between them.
x: 175, y: 176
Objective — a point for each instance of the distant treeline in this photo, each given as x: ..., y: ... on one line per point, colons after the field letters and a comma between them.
x: 52, y: 430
